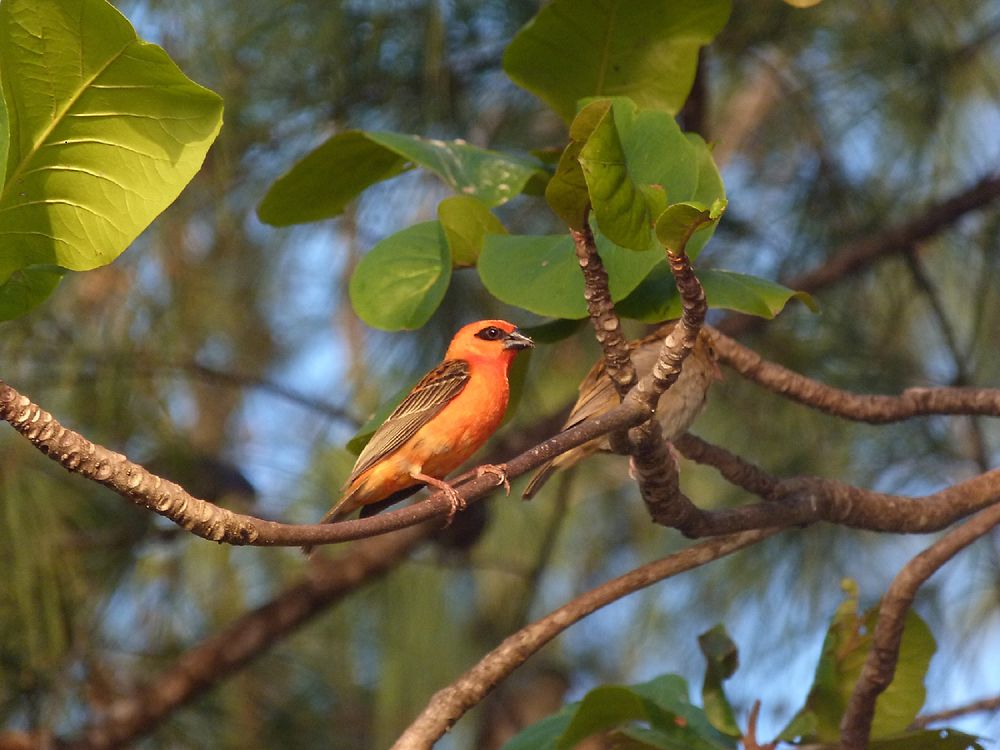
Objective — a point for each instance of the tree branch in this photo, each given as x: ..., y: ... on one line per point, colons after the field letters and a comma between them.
x: 861, y: 408
x: 136, y: 484
x: 607, y: 326
x: 984, y: 704
x: 880, y: 666
x: 655, y: 467
x: 450, y: 703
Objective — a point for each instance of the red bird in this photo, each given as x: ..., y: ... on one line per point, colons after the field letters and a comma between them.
x: 447, y: 416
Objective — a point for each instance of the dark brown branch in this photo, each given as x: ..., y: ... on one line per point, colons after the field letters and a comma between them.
x: 205, y: 665
x: 655, y: 467
x: 854, y: 257
x: 802, y: 500
x: 985, y: 704
x: 607, y: 326
x: 862, y: 408
x: 880, y: 666
x: 450, y: 703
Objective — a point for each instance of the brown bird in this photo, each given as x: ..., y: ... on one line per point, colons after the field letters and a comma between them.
x: 677, y: 409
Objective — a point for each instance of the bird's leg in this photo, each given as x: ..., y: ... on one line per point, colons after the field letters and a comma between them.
x: 497, y: 470
x: 457, y: 503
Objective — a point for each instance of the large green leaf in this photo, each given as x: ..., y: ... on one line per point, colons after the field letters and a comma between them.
x: 491, y: 176
x: 326, y: 179
x: 541, y: 273
x: 401, y: 281
x: 656, y: 298
x: 845, y: 649
x: 105, y: 131
x: 645, y: 50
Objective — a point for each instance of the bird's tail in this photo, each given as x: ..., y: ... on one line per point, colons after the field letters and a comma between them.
x: 338, y: 512
x: 541, y: 476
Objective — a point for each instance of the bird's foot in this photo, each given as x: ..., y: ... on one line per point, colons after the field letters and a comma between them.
x: 497, y: 470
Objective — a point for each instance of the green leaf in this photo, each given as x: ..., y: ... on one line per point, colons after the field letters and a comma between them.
x: 541, y: 274
x: 845, y: 649
x: 491, y: 176
x: 466, y: 222
x: 656, y: 298
x: 105, y: 131
x: 401, y: 281
x: 619, y: 205
x: 567, y: 193
x: 326, y: 179
x: 27, y: 288
x: 648, y: 51
x: 722, y: 659
x: 601, y: 709
x: 680, y: 221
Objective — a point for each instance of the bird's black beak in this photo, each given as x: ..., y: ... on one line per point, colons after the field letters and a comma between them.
x: 517, y: 340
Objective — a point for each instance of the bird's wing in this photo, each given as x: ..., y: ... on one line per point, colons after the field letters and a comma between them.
x: 428, y: 397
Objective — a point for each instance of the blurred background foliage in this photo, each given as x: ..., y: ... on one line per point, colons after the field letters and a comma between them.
x: 225, y: 355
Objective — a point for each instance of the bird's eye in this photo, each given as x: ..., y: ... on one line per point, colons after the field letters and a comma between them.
x: 491, y: 333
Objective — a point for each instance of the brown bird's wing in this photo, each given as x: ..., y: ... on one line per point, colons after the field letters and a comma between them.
x: 428, y: 397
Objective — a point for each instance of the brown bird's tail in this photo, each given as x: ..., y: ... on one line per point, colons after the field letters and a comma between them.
x: 541, y: 477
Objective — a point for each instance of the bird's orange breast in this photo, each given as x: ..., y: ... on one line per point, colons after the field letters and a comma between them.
x: 444, y: 443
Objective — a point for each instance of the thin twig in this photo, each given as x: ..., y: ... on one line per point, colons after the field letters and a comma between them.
x: 853, y: 257
x: 450, y: 703
x: 880, y: 665
x: 984, y: 704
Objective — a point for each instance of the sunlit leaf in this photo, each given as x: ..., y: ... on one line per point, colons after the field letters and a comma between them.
x: 105, y: 131
x: 466, y: 222
x: 401, y: 281
x: 647, y: 51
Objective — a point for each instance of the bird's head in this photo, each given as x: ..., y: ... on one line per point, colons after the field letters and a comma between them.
x: 487, y: 340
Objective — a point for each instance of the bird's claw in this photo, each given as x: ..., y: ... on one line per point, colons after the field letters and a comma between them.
x: 497, y: 470
x: 456, y: 504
